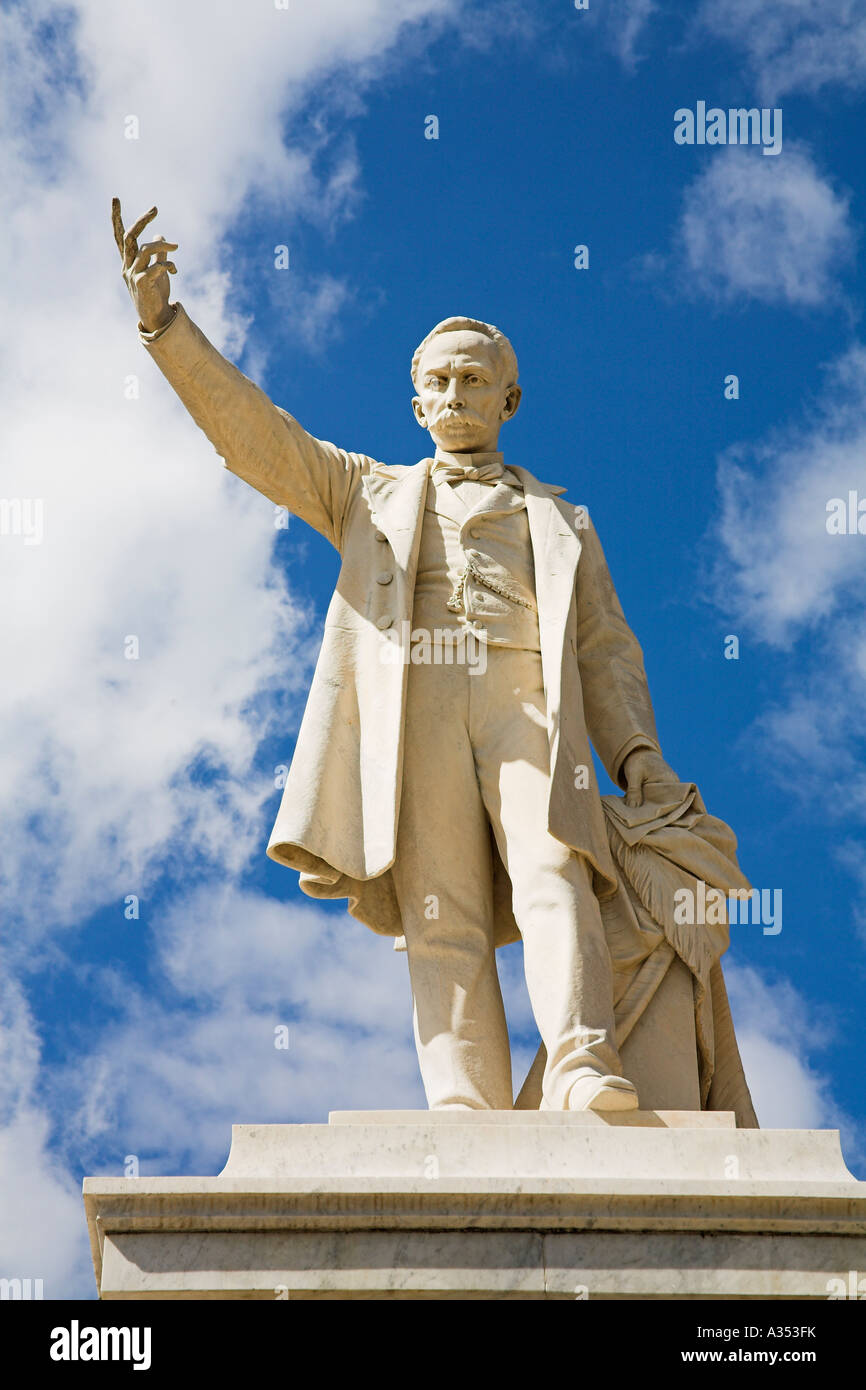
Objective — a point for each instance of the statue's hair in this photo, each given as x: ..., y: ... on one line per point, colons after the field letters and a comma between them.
x: 506, y: 351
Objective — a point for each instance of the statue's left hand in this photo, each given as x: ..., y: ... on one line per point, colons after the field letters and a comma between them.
x: 643, y: 765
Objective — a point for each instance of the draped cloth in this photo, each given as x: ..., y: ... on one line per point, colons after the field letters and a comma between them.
x: 660, y: 848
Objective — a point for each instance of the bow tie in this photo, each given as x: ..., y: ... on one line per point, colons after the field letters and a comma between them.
x: 482, y: 473
x: 475, y: 468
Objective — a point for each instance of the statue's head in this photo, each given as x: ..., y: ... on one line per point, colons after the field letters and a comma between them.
x: 465, y: 373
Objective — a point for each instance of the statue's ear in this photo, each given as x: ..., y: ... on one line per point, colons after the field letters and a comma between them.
x: 512, y: 401
x: 418, y: 410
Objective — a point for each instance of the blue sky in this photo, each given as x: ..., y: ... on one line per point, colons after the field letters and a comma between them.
x: 156, y: 777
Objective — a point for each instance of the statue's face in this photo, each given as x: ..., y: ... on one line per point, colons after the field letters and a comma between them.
x: 463, y: 397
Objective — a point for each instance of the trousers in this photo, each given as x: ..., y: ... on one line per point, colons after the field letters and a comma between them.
x: 476, y: 765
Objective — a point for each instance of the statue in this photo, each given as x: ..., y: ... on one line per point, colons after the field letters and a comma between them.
x: 442, y: 780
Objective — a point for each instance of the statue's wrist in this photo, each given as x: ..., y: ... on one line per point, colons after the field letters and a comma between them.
x: 162, y: 322
x: 642, y: 751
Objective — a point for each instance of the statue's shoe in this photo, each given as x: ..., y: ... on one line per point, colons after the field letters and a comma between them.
x: 594, y: 1092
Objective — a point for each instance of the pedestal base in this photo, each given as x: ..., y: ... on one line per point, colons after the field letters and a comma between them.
x: 490, y: 1204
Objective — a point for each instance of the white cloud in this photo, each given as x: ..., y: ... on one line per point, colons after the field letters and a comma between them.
x: 313, y: 314
x: 41, y: 1212
x: 619, y: 28
x: 793, y: 45
x: 485, y: 25
x: 781, y: 578
x: 783, y: 571
x: 769, y: 230
x: 625, y: 25
x: 851, y: 854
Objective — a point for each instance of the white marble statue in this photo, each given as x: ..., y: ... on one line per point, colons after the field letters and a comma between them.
x: 442, y: 780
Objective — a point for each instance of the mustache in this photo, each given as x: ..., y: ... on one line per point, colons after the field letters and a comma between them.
x: 463, y: 416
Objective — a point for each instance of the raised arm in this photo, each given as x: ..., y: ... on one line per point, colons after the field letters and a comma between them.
x: 259, y: 442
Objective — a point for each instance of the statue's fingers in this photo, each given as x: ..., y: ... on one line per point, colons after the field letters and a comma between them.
x: 130, y: 244
x: 634, y: 795
x: 151, y: 271
x: 164, y: 248
x: 158, y: 248
x: 117, y: 223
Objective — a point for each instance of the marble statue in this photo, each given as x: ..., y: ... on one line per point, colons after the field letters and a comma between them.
x: 442, y: 780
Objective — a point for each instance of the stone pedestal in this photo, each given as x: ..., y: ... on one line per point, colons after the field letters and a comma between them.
x: 490, y: 1204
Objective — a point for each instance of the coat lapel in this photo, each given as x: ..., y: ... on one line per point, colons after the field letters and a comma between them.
x: 498, y: 501
x: 396, y: 497
x: 555, y: 551
x: 442, y: 499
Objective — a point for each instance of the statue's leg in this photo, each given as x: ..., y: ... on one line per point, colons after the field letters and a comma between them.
x: 566, y: 958
x: 444, y: 882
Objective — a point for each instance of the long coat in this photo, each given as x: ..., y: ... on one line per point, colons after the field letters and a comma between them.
x: 337, y: 823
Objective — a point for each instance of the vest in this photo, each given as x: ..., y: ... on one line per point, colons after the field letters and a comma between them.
x: 475, y: 565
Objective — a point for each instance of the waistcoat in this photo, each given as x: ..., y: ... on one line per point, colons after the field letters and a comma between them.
x: 475, y: 566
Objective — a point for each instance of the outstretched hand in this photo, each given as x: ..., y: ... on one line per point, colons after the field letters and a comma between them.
x: 145, y: 269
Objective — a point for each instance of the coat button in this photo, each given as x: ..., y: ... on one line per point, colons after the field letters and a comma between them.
x: 380, y: 536
x: 384, y: 621
x: 384, y: 577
